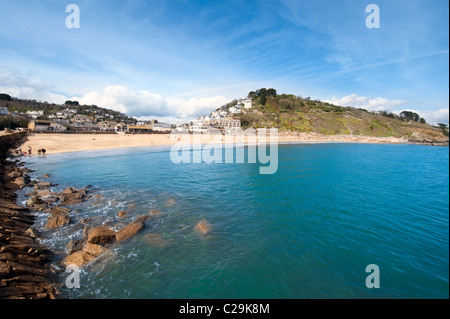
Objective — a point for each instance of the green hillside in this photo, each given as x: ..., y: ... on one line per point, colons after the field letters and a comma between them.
x: 288, y: 112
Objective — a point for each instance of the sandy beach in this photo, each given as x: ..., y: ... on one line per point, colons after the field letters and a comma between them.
x: 63, y: 143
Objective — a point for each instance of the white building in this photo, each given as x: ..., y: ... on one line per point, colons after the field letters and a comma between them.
x: 199, y: 129
x: 3, y: 110
x: 34, y: 114
x: 248, y: 104
x: 234, y: 110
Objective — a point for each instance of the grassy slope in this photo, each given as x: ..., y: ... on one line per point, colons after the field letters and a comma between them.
x: 290, y: 113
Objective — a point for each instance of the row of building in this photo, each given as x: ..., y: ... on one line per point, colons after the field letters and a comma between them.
x: 216, y: 126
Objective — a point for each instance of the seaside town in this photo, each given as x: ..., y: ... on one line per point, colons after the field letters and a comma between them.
x: 95, y: 121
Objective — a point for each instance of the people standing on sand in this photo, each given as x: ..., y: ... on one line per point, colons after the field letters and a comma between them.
x: 39, y: 152
x: 43, y: 151
x: 29, y: 150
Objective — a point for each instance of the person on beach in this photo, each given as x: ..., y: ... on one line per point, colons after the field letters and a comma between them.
x: 39, y: 152
x: 43, y: 151
x: 29, y: 150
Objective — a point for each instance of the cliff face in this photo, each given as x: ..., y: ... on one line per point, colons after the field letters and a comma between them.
x: 24, y: 263
x: 8, y: 141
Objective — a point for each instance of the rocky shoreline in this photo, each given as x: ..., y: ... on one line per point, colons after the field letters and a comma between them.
x: 25, y: 270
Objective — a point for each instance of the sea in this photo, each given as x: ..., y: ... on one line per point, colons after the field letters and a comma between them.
x: 335, y: 221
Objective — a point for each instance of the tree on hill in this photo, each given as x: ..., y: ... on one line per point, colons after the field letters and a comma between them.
x: 72, y: 103
x: 5, y: 97
x: 411, y: 116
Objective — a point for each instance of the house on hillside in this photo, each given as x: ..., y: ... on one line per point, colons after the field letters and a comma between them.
x: 47, y: 126
x: 34, y: 114
x: 4, y: 110
x: 228, y: 123
x: 248, y: 104
x: 79, y: 118
x: 234, y: 110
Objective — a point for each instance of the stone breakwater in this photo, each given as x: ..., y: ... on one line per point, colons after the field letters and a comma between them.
x: 25, y: 270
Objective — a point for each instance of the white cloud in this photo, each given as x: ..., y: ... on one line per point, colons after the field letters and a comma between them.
x: 433, y: 117
x: 438, y: 116
x: 368, y: 103
x: 383, y: 104
x: 147, y: 104
x: 31, y: 87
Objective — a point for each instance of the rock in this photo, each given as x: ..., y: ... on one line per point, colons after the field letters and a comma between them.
x: 42, y: 185
x: 203, y: 227
x: 32, y: 232
x: 32, y: 193
x: 60, y: 209
x: 5, y: 270
x: 86, y: 220
x: 45, y: 192
x: 154, y: 240
x: 16, y: 184
x: 85, y: 231
x: 142, y: 218
x: 155, y: 213
x: 129, y: 231
x: 56, y: 220
x: 170, y: 202
x: 36, y: 203
x: 121, y: 214
x: 68, y: 190
x: 74, y: 245
x: 46, y: 176
x: 101, y: 235
x: 33, y: 200
x: 50, y: 199
x: 79, y: 258
x: 94, y: 249
x: 71, y: 198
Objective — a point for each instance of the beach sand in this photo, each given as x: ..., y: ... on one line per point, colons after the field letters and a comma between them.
x: 63, y: 143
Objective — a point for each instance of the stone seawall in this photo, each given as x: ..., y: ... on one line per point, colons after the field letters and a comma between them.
x: 25, y: 271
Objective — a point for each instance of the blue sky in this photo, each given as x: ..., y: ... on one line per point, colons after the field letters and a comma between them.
x: 177, y: 59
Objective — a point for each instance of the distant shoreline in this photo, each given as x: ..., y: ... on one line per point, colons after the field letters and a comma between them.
x: 67, y: 143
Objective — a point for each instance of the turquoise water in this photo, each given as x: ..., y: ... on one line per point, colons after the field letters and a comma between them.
x: 308, y: 231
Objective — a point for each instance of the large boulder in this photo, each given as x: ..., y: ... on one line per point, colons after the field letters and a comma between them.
x: 17, y: 183
x: 60, y: 209
x: 129, y: 230
x: 155, y: 213
x: 203, y: 227
x: 101, y: 235
x: 42, y: 185
x: 122, y: 214
x: 74, y: 245
x: 56, y: 220
x: 170, y: 202
x: 44, y: 192
x: 68, y: 190
x: 79, y: 258
x: 94, y: 249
